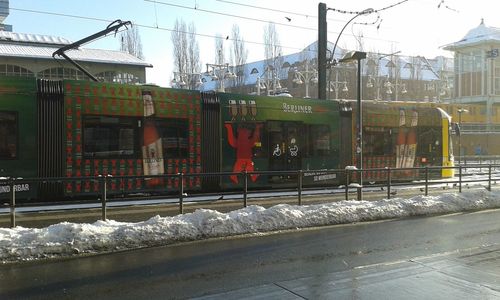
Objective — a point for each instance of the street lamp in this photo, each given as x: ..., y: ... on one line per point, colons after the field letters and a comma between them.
x: 269, y: 84
x: 306, y: 77
x: 460, y: 111
x: 223, y: 71
x: 349, y: 57
x: 334, y: 86
x: 186, y: 80
x: 398, y: 87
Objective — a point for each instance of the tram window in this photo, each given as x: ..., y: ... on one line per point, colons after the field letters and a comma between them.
x: 8, y: 135
x: 174, y: 135
x: 377, y: 141
x: 110, y: 136
x: 320, y: 140
x: 428, y: 142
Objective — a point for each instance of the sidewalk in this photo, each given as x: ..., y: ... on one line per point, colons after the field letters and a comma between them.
x: 470, y: 274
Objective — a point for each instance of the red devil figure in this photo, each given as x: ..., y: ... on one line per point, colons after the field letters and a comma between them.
x: 243, y: 143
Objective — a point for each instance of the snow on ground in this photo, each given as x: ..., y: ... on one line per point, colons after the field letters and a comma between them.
x: 69, y: 239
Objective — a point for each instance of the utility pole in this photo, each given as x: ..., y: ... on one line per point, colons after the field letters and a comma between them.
x: 322, y: 47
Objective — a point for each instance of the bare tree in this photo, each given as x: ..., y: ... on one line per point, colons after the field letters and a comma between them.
x: 179, y: 42
x: 239, y: 55
x: 186, y: 50
x: 220, y: 60
x: 130, y: 42
x: 272, y: 53
x: 194, y: 63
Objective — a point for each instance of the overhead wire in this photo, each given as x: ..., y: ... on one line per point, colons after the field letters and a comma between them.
x: 209, y: 11
x: 148, y: 26
x: 269, y: 9
x: 374, y: 10
x: 250, y: 18
x: 138, y: 25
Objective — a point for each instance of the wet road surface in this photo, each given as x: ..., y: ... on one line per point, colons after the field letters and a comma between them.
x: 439, y: 257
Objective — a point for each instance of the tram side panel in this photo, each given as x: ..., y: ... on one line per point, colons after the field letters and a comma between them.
x: 398, y: 137
x: 18, y: 135
x: 282, y: 135
x: 131, y: 130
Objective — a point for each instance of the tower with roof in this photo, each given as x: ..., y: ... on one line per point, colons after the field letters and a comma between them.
x: 477, y: 67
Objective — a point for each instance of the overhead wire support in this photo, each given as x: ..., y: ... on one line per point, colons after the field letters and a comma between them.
x: 357, y: 14
x: 111, y: 28
x: 364, y: 12
x: 322, y: 40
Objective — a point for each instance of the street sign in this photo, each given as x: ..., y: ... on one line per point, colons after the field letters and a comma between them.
x: 493, y: 53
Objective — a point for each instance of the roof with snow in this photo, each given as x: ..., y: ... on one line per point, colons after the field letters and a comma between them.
x: 28, y: 38
x: 43, y: 46
x: 254, y: 70
x: 480, y: 35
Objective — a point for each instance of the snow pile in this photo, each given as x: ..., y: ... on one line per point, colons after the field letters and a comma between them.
x: 66, y: 239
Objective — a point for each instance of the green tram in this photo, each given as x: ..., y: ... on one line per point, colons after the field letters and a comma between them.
x: 78, y: 129
x: 405, y: 135
x: 281, y: 134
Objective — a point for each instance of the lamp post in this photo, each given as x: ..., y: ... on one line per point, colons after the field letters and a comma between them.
x: 186, y: 80
x: 374, y: 82
x: 460, y: 111
x: 306, y: 77
x: 358, y: 56
x: 269, y: 84
x: 223, y: 71
x: 398, y: 87
x: 273, y: 86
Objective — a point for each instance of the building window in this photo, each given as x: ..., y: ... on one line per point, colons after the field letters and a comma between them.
x: 116, y: 77
x: 497, y: 81
x: 13, y: 70
x: 472, y: 74
x: 62, y: 73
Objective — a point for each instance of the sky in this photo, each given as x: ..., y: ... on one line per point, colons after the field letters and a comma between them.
x: 73, y: 239
x: 414, y: 27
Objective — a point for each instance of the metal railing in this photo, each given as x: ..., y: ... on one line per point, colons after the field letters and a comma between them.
x: 480, y: 159
x: 419, y: 176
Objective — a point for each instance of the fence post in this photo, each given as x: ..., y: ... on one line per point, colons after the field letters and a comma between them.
x: 347, y: 172
x: 181, y: 193
x: 245, y: 187
x: 489, y: 177
x: 103, y: 197
x: 12, y: 203
x: 389, y: 179
x: 426, y: 180
x: 299, y: 183
x: 460, y: 178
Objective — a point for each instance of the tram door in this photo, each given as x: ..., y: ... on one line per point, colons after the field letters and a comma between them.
x: 286, y: 145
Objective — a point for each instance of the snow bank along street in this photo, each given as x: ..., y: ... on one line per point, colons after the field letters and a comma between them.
x: 68, y: 239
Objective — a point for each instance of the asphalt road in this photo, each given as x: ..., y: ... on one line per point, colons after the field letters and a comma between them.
x: 438, y: 257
